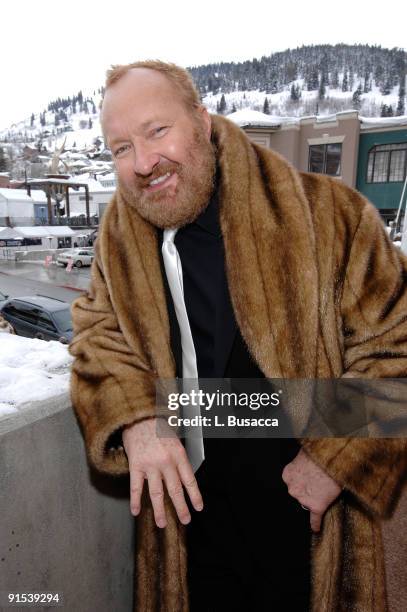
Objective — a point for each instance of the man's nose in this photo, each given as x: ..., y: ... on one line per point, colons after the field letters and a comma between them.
x: 145, y: 160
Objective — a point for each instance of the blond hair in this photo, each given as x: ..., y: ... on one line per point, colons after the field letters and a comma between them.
x: 178, y: 77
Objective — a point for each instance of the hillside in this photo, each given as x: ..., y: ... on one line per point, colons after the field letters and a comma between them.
x: 311, y: 80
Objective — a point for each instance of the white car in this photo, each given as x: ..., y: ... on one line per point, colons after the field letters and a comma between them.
x: 80, y: 257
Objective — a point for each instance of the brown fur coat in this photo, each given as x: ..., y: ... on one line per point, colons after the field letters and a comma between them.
x: 318, y: 291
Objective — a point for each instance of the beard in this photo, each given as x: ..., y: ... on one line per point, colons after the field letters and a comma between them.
x: 193, y: 191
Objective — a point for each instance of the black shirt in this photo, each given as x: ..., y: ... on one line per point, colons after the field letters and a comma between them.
x: 200, y: 247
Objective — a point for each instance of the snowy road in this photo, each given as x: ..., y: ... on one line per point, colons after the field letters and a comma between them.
x: 17, y: 279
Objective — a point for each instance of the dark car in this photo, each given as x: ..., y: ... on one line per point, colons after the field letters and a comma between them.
x: 37, y: 316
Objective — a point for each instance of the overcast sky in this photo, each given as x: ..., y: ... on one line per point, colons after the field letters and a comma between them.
x: 51, y: 49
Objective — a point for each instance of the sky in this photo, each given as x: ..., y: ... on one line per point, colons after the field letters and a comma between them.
x: 51, y: 49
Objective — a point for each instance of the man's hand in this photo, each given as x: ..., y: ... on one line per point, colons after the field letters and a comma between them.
x: 159, y: 459
x: 311, y: 486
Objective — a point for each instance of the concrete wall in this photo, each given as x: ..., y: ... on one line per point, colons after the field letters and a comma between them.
x: 287, y: 143
x: 66, y: 529
x: 62, y: 527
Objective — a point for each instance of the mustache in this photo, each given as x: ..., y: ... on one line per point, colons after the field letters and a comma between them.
x: 162, y: 168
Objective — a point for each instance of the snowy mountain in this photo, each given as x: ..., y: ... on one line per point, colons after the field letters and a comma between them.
x: 312, y: 80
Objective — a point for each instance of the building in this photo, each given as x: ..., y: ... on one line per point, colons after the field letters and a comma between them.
x: 382, y: 162
x: 16, y: 208
x: 369, y: 154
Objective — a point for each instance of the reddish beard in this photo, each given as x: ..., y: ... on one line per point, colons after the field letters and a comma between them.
x: 193, y: 190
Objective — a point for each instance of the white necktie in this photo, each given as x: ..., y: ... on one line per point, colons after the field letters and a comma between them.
x: 173, y: 269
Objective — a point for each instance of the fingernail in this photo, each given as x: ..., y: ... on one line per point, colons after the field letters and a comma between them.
x: 161, y: 523
x: 199, y: 507
x: 186, y: 520
x: 135, y: 511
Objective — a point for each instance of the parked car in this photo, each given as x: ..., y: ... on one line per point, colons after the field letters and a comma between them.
x: 38, y: 316
x: 80, y: 257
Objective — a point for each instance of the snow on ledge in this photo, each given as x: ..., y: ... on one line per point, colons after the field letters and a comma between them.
x: 370, y: 122
x: 31, y: 370
x: 255, y: 118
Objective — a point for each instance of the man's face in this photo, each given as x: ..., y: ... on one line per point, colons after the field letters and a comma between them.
x: 164, y: 160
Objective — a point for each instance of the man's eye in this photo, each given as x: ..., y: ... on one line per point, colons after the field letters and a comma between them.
x: 121, y: 150
x: 160, y: 130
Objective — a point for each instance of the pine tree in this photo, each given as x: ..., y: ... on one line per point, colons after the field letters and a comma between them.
x: 85, y: 107
x: 266, y: 107
x: 390, y: 112
x: 90, y: 124
x: 383, y: 110
x: 385, y: 87
x: 322, y: 89
x: 233, y: 108
x: 400, y: 104
x: 222, y: 105
x: 356, y: 98
x: 335, y: 80
x: 32, y: 120
x: 345, y: 81
x: 3, y: 161
x: 313, y: 79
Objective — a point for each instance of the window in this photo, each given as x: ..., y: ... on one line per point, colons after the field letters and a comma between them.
x: 325, y: 158
x: 22, y: 311
x: 63, y: 319
x: 387, y: 163
x: 44, y: 320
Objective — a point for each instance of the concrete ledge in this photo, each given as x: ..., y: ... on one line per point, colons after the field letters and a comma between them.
x: 64, y: 528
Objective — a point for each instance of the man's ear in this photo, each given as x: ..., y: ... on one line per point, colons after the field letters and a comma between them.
x: 207, y: 122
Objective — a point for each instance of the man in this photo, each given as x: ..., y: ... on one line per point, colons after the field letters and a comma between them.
x: 285, y: 276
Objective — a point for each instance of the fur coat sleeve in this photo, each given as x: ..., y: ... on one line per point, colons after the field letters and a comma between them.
x: 112, y: 383
x: 372, y: 307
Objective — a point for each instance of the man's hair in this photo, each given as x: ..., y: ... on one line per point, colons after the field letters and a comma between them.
x: 178, y: 77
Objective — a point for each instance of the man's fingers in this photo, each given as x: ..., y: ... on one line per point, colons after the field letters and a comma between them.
x: 155, y: 487
x: 176, y: 493
x: 136, y: 489
x: 189, y: 481
x: 315, y: 521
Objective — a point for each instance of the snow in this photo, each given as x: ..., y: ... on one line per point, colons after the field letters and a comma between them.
x: 369, y: 122
x: 15, y: 194
x: 42, y: 231
x: 31, y: 370
x: 251, y: 117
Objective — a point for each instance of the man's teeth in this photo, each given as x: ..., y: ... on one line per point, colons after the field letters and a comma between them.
x: 160, y: 179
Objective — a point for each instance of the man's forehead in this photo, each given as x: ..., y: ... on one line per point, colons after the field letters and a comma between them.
x: 142, y: 81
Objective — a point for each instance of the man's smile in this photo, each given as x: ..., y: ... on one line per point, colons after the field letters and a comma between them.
x: 161, y: 182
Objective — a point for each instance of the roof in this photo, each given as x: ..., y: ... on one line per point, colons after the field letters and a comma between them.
x: 40, y: 231
x: 15, y: 194
x: 247, y: 117
x: 380, y: 122
x: 52, y: 304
